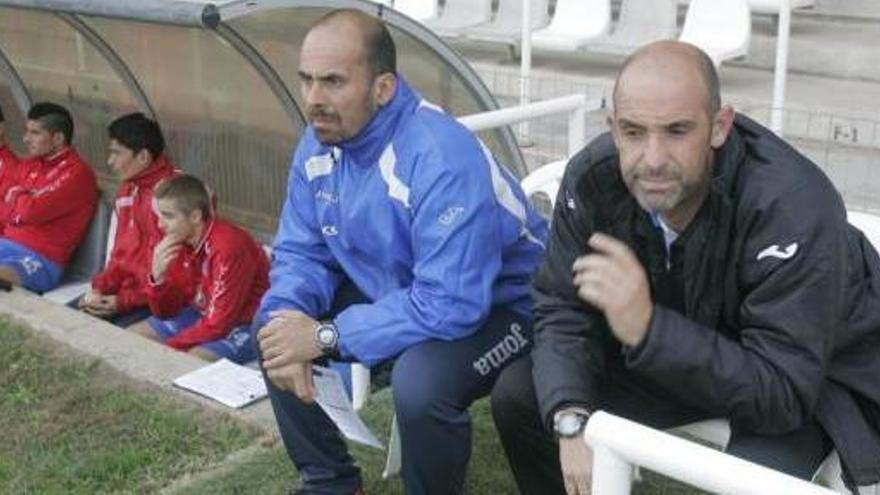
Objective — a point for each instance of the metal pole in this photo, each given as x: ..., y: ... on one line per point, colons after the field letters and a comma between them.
x: 525, y: 68
x: 780, y: 71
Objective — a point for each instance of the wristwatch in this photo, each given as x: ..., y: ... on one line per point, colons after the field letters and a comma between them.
x: 327, y: 337
x: 569, y: 424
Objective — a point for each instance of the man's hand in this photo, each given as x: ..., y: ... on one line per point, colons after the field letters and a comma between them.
x: 288, y: 346
x: 104, y: 306
x: 576, y: 459
x: 164, y: 252
x: 288, y: 338
x: 296, y: 378
x: 612, y: 279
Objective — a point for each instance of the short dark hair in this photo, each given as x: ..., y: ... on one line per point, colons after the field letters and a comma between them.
x: 188, y: 192
x: 54, y: 118
x: 380, y: 53
x: 137, y: 132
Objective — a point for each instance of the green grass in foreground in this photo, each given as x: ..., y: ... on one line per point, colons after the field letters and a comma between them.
x: 72, y: 425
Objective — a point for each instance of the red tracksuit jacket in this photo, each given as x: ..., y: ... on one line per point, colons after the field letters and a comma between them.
x: 224, y: 277
x: 49, y: 205
x: 8, y: 173
x: 137, y: 233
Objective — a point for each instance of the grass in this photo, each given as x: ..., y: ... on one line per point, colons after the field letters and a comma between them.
x: 71, y: 425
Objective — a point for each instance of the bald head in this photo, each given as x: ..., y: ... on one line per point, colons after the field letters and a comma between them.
x: 378, y: 53
x: 672, y: 60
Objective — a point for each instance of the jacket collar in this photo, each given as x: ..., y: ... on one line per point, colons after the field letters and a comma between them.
x: 209, y: 229
x: 366, y: 147
x: 155, y: 171
x: 60, y: 157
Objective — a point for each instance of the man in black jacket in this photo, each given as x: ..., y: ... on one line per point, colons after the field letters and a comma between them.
x: 698, y: 267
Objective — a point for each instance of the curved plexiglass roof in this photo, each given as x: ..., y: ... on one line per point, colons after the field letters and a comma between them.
x: 219, y: 77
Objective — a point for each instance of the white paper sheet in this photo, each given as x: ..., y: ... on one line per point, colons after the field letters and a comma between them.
x: 334, y: 401
x: 226, y: 382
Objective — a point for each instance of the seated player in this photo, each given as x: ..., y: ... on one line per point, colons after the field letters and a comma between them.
x: 207, y: 277
x: 47, y: 203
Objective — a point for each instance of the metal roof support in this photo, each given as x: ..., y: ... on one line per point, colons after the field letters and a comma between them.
x: 265, y: 70
x: 19, y: 90
x: 113, y: 59
x: 160, y: 11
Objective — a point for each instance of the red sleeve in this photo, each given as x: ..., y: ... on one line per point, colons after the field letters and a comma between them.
x: 128, y: 298
x: 232, y: 275
x: 9, y: 167
x: 107, y: 281
x: 58, y: 198
x: 168, y: 298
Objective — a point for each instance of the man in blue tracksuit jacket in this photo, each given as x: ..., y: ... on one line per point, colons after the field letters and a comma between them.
x: 401, y: 240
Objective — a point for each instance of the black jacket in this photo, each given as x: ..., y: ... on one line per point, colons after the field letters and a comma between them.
x: 767, y: 340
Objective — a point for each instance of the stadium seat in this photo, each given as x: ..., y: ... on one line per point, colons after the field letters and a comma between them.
x: 506, y: 25
x: 722, y: 28
x: 420, y: 10
x: 89, y: 256
x: 458, y: 15
x: 574, y: 24
x: 640, y: 22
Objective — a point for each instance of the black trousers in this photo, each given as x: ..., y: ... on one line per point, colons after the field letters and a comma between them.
x: 533, y: 452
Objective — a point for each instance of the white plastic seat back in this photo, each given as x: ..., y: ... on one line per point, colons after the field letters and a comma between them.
x: 507, y: 23
x: 574, y: 23
x: 721, y: 28
x: 420, y: 10
x: 458, y: 15
x: 644, y: 21
x: 869, y: 225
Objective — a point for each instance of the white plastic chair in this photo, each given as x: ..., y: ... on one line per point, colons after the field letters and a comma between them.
x: 721, y: 28
x: 458, y: 15
x: 420, y: 10
x: 772, y: 6
x: 574, y: 24
x: 640, y: 22
x: 506, y: 26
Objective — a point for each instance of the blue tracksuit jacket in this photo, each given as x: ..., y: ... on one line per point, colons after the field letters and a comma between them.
x: 417, y: 213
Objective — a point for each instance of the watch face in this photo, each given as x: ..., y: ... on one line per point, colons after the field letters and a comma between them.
x: 570, y: 425
x: 326, y: 336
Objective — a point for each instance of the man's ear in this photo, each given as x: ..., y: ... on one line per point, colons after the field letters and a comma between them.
x: 611, y: 122
x: 721, y: 125
x: 384, y: 87
x: 144, y: 157
x: 58, y: 140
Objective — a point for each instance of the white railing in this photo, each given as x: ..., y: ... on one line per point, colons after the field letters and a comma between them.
x: 619, y: 445
x: 577, y: 107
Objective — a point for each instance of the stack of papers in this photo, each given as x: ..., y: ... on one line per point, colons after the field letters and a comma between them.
x: 226, y: 382
x: 237, y: 386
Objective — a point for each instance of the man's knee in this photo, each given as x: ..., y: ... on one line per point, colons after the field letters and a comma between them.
x: 513, y: 397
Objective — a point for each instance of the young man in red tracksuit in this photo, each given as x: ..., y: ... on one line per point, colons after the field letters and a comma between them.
x: 8, y: 163
x: 136, y: 155
x: 207, y: 277
x: 48, y: 202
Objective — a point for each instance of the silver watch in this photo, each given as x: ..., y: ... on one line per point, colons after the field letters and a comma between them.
x: 326, y: 337
x: 569, y: 424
